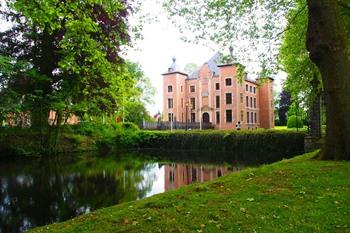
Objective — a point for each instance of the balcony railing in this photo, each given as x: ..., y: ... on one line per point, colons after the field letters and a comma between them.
x: 166, y: 125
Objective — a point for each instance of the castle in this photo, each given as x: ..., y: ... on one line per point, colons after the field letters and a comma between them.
x: 214, y: 95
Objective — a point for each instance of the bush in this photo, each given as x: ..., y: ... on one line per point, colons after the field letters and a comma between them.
x: 294, y: 122
x: 243, y: 144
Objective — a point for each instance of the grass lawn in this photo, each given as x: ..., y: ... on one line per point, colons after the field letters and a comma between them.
x: 296, y: 195
x: 285, y: 128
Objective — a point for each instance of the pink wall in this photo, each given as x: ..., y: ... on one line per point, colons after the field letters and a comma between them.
x: 205, y: 98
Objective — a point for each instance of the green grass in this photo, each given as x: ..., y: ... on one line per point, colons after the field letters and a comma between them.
x: 293, y: 129
x: 296, y: 195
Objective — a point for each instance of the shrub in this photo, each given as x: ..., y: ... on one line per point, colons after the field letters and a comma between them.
x: 294, y: 122
x: 243, y: 144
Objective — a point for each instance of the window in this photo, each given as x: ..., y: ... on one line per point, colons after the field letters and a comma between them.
x: 228, y: 82
x: 194, y: 175
x: 181, y: 88
x: 254, y: 90
x: 219, y: 173
x: 171, y: 176
x: 252, y: 117
x: 228, y: 116
x: 217, y: 86
x: 193, y: 117
x: 241, y: 98
x: 255, y: 120
x: 193, y: 103
x: 248, y: 117
x: 228, y: 98
x: 217, y: 101
x: 251, y: 102
x: 246, y: 87
x: 192, y: 88
x: 247, y: 101
x: 242, y: 114
x: 182, y: 117
x: 217, y: 117
x: 251, y: 89
x: 170, y: 88
x: 170, y: 117
x: 254, y: 102
x: 170, y: 103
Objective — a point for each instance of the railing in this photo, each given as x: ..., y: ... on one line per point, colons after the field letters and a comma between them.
x: 167, y: 125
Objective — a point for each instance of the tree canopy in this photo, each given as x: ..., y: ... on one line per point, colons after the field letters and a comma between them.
x: 67, y: 57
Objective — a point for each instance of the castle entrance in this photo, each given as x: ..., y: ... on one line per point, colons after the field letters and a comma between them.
x: 205, y: 117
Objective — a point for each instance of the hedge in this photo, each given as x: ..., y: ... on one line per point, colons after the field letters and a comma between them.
x: 243, y: 144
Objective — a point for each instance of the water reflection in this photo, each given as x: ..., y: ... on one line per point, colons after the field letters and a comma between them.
x: 41, y: 192
x: 177, y: 175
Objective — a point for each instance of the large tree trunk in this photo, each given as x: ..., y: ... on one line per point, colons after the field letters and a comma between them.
x: 315, y: 118
x: 326, y: 42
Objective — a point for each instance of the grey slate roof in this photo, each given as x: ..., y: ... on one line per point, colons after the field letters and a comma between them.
x: 213, y: 66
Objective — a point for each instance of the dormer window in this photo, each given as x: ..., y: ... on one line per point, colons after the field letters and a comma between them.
x: 192, y: 88
x: 170, y: 88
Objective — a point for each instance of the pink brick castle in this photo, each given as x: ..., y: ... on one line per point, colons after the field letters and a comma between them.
x: 213, y: 94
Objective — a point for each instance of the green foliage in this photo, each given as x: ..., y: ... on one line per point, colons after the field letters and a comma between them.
x: 252, y: 28
x: 244, y: 143
x: 294, y: 58
x: 109, y: 136
x: 295, y: 122
x: 190, y: 68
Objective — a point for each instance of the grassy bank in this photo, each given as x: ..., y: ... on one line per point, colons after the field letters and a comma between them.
x: 296, y: 195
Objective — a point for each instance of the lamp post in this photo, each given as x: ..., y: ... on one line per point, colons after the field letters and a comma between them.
x: 171, y: 121
x: 186, y: 114
x: 188, y: 105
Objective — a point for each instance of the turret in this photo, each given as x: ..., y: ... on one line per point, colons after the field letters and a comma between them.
x: 174, y: 93
x: 267, y: 120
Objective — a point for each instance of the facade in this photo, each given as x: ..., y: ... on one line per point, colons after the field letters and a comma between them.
x: 214, y: 95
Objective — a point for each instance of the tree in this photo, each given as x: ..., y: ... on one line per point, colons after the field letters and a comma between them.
x: 65, y: 56
x: 190, y: 68
x: 284, y: 104
x: 134, y: 107
x: 260, y: 21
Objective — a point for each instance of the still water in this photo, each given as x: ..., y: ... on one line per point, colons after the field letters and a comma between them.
x: 43, y: 191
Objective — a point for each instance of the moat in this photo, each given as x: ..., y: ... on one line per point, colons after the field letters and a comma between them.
x: 43, y: 191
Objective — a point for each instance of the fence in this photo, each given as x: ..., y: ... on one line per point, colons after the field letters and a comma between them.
x: 167, y: 125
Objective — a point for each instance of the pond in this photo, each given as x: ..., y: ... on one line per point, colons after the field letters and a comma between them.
x: 43, y: 191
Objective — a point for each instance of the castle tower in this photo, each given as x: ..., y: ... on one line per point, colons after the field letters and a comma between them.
x: 267, y: 120
x: 174, y: 94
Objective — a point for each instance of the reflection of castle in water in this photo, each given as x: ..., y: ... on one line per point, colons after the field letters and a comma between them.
x: 177, y: 175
